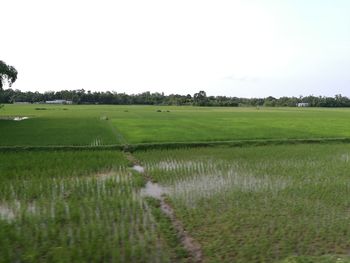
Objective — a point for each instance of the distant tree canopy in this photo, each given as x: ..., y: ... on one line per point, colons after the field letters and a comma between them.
x: 200, y: 98
x: 7, y: 74
x: 147, y: 98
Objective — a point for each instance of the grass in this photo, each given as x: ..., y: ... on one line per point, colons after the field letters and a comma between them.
x: 188, y: 124
x: 107, y: 125
x: 55, y: 126
x: 260, y: 204
x: 75, y: 206
x: 61, y: 200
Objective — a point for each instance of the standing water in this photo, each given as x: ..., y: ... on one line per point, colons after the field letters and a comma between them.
x: 153, y: 190
x: 138, y: 168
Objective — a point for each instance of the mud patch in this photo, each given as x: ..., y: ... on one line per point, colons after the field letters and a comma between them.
x: 192, y: 247
x: 157, y: 191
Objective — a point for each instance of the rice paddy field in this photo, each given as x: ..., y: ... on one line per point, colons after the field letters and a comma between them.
x: 79, y: 206
x: 273, y: 203
x: 108, y: 125
x: 260, y: 204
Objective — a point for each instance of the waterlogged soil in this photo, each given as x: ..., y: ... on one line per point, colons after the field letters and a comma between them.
x: 188, y: 242
x: 153, y: 190
x: 158, y: 192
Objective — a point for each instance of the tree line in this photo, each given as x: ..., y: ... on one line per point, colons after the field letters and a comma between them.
x: 8, y: 74
x: 82, y: 96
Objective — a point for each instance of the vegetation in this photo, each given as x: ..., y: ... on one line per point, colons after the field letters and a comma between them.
x: 56, y: 125
x: 109, y: 125
x: 68, y: 194
x: 260, y: 204
x: 7, y: 74
x: 147, y: 98
x: 81, y: 206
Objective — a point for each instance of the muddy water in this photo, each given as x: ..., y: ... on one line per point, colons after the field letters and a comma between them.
x: 153, y: 190
x: 157, y: 191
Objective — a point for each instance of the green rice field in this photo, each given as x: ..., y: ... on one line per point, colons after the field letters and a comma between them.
x: 286, y: 203
x: 79, y: 206
x: 260, y: 204
x: 109, y: 125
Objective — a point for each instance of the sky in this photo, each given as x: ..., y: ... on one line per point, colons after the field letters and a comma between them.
x: 243, y: 48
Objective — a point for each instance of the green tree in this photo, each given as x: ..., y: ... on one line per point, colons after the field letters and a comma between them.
x: 200, y: 98
x: 7, y: 74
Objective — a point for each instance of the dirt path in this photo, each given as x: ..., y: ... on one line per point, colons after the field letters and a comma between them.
x: 189, y: 243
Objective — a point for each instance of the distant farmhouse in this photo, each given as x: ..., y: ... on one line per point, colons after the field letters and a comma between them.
x: 302, y: 104
x: 59, y: 102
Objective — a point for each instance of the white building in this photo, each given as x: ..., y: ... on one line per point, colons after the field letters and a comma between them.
x: 58, y: 102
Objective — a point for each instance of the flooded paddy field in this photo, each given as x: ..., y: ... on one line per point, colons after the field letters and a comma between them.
x: 81, y: 206
x: 277, y: 203
x: 287, y: 203
x: 260, y: 204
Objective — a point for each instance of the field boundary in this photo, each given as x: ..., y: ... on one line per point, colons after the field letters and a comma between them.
x: 234, y: 143
x: 177, y: 145
x: 61, y: 148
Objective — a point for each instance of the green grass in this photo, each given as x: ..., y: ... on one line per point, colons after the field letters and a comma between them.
x: 260, y: 204
x: 86, y: 125
x: 58, y: 125
x: 188, y: 124
x: 81, y: 206
x: 277, y: 203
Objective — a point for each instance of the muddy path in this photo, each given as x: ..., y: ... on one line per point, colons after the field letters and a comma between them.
x: 156, y: 191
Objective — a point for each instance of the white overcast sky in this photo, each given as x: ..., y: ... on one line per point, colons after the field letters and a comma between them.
x: 246, y: 48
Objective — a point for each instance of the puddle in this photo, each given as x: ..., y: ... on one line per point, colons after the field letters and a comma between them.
x: 20, y: 118
x: 153, y: 190
x: 138, y: 168
x: 13, y: 118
